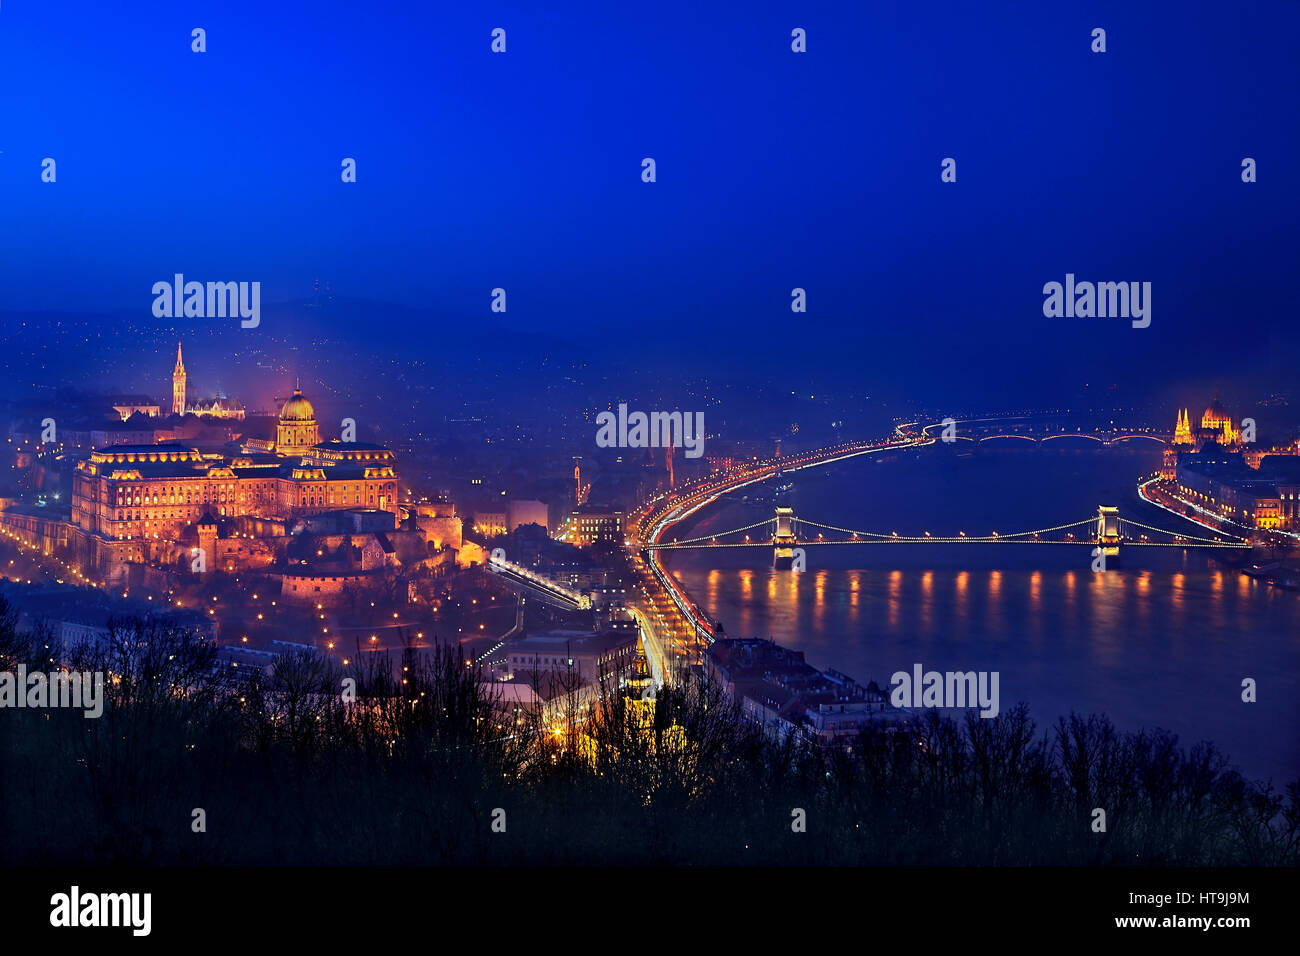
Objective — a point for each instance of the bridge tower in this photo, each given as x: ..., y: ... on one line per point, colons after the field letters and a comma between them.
x: 783, y: 541
x: 1108, y: 534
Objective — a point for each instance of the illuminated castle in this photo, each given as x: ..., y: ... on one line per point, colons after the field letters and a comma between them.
x: 126, y: 495
x: 296, y: 433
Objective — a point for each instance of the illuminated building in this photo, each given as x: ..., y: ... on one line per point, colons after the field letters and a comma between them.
x: 1215, y: 423
x: 1183, y: 430
x: 1217, y: 430
x: 578, y: 653
x: 439, y: 523
x: 1222, y: 483
x: 638, y: 690
x: 1254, y: 455
x: 128, y: 405
x: 178, y: 384
x: 296, y: 433
x: 129, y: 500
x: 1284, y: 471
x: 1216, y: 427
x: 489, y: 523
x: 587, y: 525
x: 1253, y: 485
x: 219, y: 407
x: 1169, y: 464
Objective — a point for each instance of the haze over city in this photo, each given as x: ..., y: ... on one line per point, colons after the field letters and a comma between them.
x: 856, y: 436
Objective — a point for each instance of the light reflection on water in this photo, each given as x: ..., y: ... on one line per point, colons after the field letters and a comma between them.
x: 1164, y: 641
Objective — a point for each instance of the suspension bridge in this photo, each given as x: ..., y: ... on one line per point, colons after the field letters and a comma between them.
x: 784, y: 532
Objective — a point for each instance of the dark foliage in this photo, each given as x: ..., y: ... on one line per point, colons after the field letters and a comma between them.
x: 412, y: 770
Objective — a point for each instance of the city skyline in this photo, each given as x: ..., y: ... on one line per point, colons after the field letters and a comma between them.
x: 863, y: 439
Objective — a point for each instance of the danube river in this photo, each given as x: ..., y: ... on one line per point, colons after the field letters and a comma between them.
x: 1163, y: 642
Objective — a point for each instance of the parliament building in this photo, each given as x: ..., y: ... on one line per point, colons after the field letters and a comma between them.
x: 1216, y: 428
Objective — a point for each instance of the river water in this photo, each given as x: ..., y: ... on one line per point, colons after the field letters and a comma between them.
x: 1163, y: 642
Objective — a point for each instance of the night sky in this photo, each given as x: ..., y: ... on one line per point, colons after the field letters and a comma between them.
x: 775, y: 170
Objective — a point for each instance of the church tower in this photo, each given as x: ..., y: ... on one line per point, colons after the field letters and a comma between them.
x: 1183, y: 430
x: 178, y: 384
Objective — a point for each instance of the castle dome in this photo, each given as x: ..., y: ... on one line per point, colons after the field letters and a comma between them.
x: 297, y: 408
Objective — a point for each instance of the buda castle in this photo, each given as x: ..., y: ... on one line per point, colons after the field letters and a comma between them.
x: 129, y: 499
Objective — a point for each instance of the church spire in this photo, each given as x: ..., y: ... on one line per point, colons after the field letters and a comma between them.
x: 178, y: 384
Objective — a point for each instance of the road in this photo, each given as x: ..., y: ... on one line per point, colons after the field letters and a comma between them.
x: 666, y: 510
x: 654, y: 650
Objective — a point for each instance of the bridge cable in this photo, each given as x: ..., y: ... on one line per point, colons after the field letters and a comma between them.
x: 972, y: 538
x: 1175, y: 534
x: 718, y: 534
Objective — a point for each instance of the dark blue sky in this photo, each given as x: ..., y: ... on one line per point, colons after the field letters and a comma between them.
x: 775, y: 170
